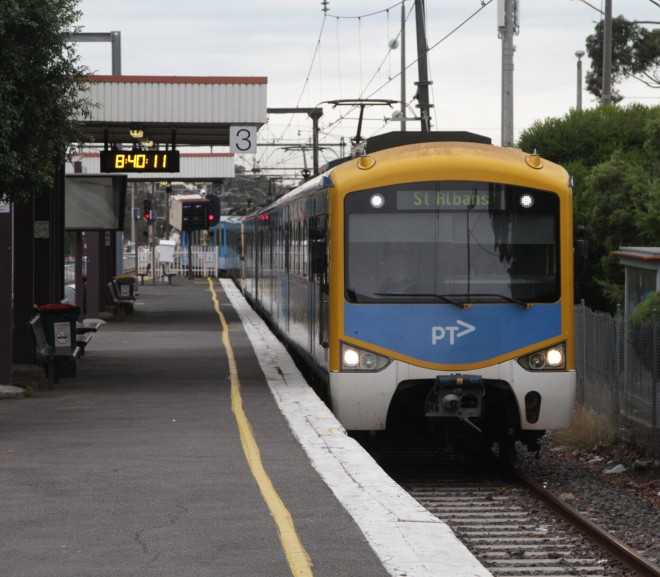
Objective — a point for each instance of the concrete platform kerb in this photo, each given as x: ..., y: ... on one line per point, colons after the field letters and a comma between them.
x: 407, y: 538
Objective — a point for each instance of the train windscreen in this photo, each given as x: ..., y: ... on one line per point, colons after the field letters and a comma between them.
x: 455, y: 242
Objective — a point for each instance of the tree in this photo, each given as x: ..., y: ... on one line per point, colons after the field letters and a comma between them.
x: 635, y: 53
x: 41, y: 84
x: 616, y: 201
x: 613, y: 153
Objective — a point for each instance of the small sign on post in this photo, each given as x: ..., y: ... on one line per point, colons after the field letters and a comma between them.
x: 243, y: 139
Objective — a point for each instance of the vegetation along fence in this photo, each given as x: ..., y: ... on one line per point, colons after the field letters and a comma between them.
x: 618, y: 369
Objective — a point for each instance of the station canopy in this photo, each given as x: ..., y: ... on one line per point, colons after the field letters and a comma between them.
x: 172, y: 110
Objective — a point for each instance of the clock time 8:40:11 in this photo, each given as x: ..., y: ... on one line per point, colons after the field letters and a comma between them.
x: 140, y: 161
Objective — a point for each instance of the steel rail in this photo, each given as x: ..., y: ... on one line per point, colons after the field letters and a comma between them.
x: 629, y: 557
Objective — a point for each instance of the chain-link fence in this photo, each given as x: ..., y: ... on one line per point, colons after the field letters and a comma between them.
x: 618, y: 370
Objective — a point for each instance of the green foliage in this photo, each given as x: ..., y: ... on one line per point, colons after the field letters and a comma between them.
x: 646, y: 310
x: 40, y: 87
x: 615, y: 199
x: 643, y: 323
x: 635, y: 53
x: 613, y: 154
x: 590, y: 136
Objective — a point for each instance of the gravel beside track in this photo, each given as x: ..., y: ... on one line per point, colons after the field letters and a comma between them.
x: 626, y: 504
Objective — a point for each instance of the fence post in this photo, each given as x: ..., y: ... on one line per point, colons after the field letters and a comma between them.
x: 581, y: 367
x: 655, y: 405
x: 619, y: 345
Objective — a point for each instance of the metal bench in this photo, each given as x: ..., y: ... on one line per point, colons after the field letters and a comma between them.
x: 166, y: 273
x: 146, y: 272
x: 88, y: 326
x: 123, y: 305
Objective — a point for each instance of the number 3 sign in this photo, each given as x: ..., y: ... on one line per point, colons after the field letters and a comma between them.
x: 243, y: 139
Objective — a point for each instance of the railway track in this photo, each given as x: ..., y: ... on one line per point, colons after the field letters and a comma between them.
x: 509, y: 521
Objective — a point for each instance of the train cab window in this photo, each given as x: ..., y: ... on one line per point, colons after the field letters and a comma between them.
x: 455, y: 242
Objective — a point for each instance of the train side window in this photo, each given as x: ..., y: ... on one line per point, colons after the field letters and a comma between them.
x: 317, y: 242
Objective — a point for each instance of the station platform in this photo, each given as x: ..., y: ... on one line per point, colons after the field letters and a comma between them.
x: 189, y: 445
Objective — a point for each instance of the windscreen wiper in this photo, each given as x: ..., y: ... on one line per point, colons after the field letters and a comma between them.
x: 444, y: 298
x: 505, y: 298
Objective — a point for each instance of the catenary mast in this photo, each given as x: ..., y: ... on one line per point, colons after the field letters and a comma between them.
x: 507, y: 26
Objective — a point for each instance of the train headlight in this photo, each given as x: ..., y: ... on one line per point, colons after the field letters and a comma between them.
x: 357, y: 359
x: 537, y: 361
x: 350, y: 358
x: 368, y: 361
x: 552, y: 358
x: 377, y: 200
x: 527, y: 201
x: 555, y: 357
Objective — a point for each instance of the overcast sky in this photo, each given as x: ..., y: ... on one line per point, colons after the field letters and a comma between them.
x: 309, y: 56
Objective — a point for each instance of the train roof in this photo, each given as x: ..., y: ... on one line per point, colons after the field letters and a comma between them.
x: 395, y: 148
x: 394, y: 139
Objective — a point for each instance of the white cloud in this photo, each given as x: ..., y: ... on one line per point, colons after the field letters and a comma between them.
x: 278, y: 40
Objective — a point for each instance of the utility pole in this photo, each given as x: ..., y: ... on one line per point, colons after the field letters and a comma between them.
x: 315, y: 114
x: 607, y: 54
x: 579, y: 54
x: 422, y: 67
x: 403, y: 66
x: 152, y: 233
x: 507, y: 26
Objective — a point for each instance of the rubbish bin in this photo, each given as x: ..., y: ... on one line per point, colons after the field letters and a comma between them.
x: 126, y: 285
x: 59, y: 324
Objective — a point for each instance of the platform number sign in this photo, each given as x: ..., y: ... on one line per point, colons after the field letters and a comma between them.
x: 243, y: 139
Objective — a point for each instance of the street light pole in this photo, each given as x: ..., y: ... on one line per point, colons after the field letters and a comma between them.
x: 579, y: 54
x: 607, y: 54
x: 403, y: 65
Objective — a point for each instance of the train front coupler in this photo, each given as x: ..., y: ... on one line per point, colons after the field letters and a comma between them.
x: 456, y: 395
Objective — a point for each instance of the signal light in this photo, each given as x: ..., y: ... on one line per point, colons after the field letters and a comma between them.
x: 213, y: 210
x: 147, y: 214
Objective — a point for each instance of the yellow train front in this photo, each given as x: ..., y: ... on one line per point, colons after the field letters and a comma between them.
x: 430, y: 286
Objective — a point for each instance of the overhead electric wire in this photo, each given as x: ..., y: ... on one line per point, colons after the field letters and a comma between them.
x: 367, y: 15
x: 311, y: 64
x: 318, y: 44
x: 445, y: 37
x: 448, y: 35
x: 327, y: 131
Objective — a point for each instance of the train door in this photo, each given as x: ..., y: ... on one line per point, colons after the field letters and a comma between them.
x: 318, y: 259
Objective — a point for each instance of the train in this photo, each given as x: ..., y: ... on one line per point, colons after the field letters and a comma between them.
x: 427, y: 282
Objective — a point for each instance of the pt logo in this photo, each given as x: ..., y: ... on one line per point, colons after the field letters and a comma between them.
x: 455, y: 332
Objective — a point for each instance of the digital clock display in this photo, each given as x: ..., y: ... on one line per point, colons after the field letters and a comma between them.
x: 139, y: 161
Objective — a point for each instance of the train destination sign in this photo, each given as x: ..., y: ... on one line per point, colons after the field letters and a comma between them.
x: 443, y: 200
x: 139, y: 161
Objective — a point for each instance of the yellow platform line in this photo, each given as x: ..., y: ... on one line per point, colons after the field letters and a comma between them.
x: 297, y: 556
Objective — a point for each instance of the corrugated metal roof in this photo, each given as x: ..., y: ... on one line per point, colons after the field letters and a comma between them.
x: 199, y: 167
x: 196, y: 111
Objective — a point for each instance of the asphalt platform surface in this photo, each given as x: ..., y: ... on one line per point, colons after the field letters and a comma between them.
x: 135, y: 467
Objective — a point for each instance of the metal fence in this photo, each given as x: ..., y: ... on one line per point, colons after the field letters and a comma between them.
x: 202, y: 261
x: 618, y: 370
